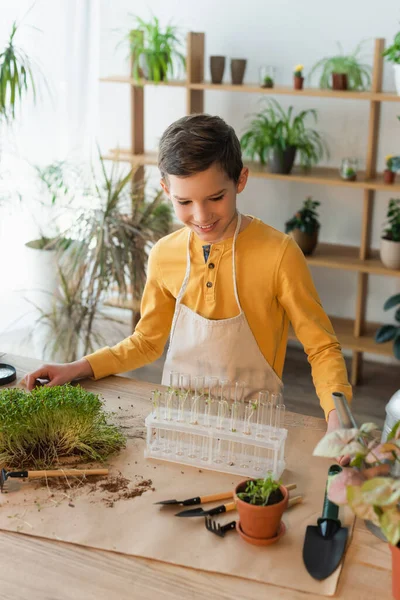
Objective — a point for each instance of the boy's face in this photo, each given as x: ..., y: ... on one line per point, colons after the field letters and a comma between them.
x: 206, y: 202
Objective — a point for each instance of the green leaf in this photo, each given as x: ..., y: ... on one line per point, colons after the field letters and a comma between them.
x: 385, y: 333
x: 333, y: 443
x: 391, y: 302
x: 359, y: 506
x: 368, y: 427
x: 381, y: 491
x: 390, y: 524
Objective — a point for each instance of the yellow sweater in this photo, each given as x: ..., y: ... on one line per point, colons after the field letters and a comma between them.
x: 274, y: 285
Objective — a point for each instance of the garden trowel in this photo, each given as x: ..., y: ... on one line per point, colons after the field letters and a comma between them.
x: 325, y: 543
x: 5, y: 475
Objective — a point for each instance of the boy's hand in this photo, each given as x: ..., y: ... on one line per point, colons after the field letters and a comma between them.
x: 334, y: 423
x: 58, y: 374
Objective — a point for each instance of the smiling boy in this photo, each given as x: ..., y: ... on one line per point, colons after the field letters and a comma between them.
x: 224, y: 287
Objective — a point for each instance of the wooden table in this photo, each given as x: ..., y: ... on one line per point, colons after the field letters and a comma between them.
x: 40, y: 569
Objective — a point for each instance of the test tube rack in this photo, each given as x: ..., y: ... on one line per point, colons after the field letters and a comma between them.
x: 252, y: 450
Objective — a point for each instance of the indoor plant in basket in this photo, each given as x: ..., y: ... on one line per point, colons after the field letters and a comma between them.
x: 261, y: 504
x: 393, y: 55
x: 154, y: 51
x: 276, y: 136
x: 370, y: 485
x: 390, y: 240
x: 386, y: 333
x: 343, y: 72
x: 304, y: 226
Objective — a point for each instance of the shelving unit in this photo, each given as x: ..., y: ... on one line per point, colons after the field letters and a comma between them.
x: 354, y: 334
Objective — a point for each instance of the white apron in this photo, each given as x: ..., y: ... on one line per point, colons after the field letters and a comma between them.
x: 224, y: 348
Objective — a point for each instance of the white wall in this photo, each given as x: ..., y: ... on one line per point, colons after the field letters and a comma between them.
x: 282, y: 34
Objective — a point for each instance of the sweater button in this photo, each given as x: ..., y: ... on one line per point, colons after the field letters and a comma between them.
x: 211, y: 266
x: 209, y: 284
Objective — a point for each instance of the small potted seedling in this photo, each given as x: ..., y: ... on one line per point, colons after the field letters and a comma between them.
x: 298, y: 78
x: 348, y: 169
x: 389, y: 173
x: 261, y: 504
x: 267, y: 77
x: 304, y: 226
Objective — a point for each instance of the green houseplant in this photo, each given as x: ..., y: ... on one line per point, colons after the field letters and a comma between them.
x: 390, y: 240
x: 16, y: 76
x: 386, y: 333
x: 260, y: 504
x: 154, y: 51
x: 109, y: 251
x: 304, y: 226
x: 275, y: 136
x: 298, y: 78
x: 39, y: 428
x: 343, y: 72
x: 392, y: 54
x: 370, y: 485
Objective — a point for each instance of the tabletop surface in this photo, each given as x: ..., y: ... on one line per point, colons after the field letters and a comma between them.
x: 40, y: 569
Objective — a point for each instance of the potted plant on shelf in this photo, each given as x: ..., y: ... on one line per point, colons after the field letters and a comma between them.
x: 267, y: 76
x: 343, y: 72
x: 370, y: 485
x: 298, y: 78
x: 387, y: 333
x: 154, y: 51
x: 390, y: 240
x: 389, y: 173
x: 348, y: 169
x: 275, y: 136
x: 261, y: 504
x: 304, y: 226
x: 393, y: 55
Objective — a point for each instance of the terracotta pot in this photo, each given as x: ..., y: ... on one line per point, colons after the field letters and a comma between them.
x: 217, y: 67
x: 306, y: 242
x: 298, y: 82
x: 339, y: 81
x: 390, y: 253
x: 281, y: 161
x: 395, y: 572
x: 260, y: 522
x: 388, y: 176
x: 238, y: 67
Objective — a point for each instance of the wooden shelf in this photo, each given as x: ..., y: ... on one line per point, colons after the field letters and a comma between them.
x: 316, y: 175
x: 254, y: 88
x: 365, y: 343
x: 347, y: 258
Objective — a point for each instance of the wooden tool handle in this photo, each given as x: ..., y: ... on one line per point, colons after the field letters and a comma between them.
x: 290, y: 486
x: 295, y: 500
x: 230, y: 506
x: 216, y: 497
x: 66, y: 473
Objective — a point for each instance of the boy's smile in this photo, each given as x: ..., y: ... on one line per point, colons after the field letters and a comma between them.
x: 206, y: 202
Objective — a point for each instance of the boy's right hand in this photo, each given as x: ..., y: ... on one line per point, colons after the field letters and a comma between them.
x: 57, y: 374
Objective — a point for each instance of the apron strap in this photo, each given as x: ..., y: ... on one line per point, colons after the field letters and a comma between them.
x: 188, y: 261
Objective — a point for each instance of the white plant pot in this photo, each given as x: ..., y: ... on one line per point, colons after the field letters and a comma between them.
x: 390, y: 253
x: 397, y: 78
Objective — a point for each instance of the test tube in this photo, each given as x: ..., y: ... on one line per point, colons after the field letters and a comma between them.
x: 169, y: 404
x: 249, y: 415
x: 184, y: 382
x: 155, y: 402
x: 210, y: 399
x: 199, y: 385
x: 222, y: 413
x: 174, y: 380
x: 194, y: 410
x: 238, y: 391
x: 262, y: 417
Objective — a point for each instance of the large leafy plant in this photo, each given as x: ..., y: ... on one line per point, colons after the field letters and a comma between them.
x: 259, y: 491
x: 16, y: 76
x: 50, y: 423
x: 273, y: 128
x: 393, y: 52
x: 154, y: 50
x: 109, y: 249
x: 386, y: 333
x: 305, y: 219
x: 369, y: 486
x: 358, y: 73
x: 392, y: 227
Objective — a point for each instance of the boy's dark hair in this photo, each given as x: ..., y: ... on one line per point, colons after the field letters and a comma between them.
x: 192, y: 144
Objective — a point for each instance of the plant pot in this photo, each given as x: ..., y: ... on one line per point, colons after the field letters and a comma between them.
x: 238, y: 67
x: 305, y: 241
x: 217, y: 68
x: 389, y: 176
x: 390, y: 253
x: 260, y: 522
x: 339, y: 81
x: 395, y: 571
x: 396, y: 69
x: 298, y: 82
x: 281, y: 161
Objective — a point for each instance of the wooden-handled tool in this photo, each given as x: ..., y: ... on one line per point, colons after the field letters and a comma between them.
x: 5, y: 475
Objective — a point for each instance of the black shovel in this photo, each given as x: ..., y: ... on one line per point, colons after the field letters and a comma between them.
x: 325, y: 543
